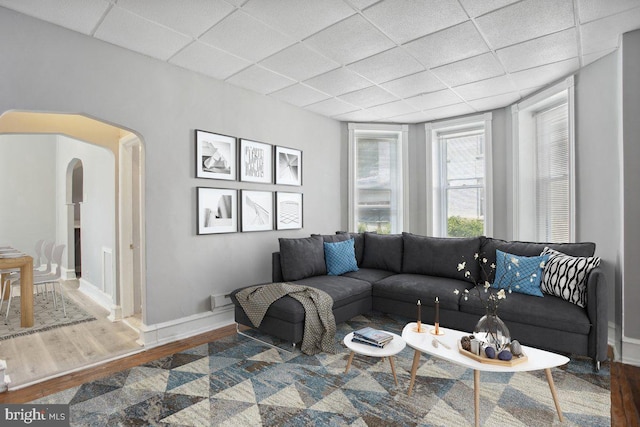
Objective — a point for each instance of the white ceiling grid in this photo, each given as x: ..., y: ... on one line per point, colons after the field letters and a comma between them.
x: 403, y: 61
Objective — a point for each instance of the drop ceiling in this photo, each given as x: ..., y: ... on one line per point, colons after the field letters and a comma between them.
x: 403, y: 61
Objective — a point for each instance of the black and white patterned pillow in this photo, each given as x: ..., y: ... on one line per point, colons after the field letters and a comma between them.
x: 565, y: 276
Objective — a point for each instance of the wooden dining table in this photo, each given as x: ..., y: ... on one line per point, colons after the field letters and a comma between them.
x: 12, y: 260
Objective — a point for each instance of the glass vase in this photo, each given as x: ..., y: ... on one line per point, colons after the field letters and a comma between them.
x: 492, y: 331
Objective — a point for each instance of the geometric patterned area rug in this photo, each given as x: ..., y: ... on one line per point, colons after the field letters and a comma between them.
x: 45, y: 316
x: 237, y: 381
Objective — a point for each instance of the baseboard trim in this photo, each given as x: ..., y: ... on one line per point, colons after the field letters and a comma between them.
x: 99, y: 297
x: 630, y: 351
x: 185, y: 327
x: 68, y: 273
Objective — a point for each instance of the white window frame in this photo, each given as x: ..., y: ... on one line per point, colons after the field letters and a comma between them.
x: 522, y: 167
x: 401, y: 132
x: 436, y: 226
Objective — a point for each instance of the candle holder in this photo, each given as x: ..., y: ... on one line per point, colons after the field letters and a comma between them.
x: 437, y: 330
x: 419, y: 328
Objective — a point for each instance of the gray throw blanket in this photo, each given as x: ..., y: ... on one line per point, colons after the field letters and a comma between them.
x: 319, y: 325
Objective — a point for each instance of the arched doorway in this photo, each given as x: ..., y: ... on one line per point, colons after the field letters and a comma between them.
x: 121, y: 268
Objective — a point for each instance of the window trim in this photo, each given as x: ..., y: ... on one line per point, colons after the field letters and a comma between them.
x: 402, y: 132
x: 541, y: 100
x: 433, y: 175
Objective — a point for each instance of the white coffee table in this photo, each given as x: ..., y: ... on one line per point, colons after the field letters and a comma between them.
x: 423, y: 343
x: 391, y: 349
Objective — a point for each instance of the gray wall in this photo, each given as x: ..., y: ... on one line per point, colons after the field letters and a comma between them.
x: 27, y: 172
x: 631, y: 176
x: 47, y: 68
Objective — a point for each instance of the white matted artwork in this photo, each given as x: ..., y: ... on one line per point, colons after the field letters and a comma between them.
x: 257, y: 210
x: 256, y: 164
x: 217, y: 210
x: 215, y: 156
x: 288, y: 166
x: 288, y: 210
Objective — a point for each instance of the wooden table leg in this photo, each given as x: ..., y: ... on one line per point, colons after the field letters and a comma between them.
x: 349, y: 362
x: 26, y: 294
x: 414, y: 368
x: 554, y: 393
x: 393, y: 369
x: 476, y: 395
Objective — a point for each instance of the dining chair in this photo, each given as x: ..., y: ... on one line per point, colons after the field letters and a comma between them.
x: 41, y: 280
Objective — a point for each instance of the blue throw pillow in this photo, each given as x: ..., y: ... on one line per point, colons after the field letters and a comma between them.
x: 520, y: 274
x: 340, y: 257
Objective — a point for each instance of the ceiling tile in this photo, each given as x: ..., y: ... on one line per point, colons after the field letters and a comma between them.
x: 592, y: 57
x: 130, y: 31
x: 299, y: 95
x: 539, y: 76
x: 604, y: 34
x: 448, y: 112
x: 525, y: 20
x: 489, y: 87
x: 387, y: 66
x: 245, y: 36
x: 299, y: 62
x: 368, y: 97
x: 298, y: 18
x: 350, y: 40
x: 452, y: 44
x: 476, y: 8
x: 357, y: 116
x: 544, y: 50
x: 590, y: 10
x: 77, y: 15
x: 414, y: 84
x: 192, y: 17
x: 259, y: 80
x: 405, y: 20
x: 331, y: 107
x: 338, y: 82
x: 479, y: 67
x: 493, y: 102
x: 361, y: 4
x: 431, y: 100
x: 391, y: 109
x: 208, y: 60
x: 416, y: 117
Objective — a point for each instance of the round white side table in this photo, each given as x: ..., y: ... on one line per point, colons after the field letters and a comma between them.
x: 391, y: 349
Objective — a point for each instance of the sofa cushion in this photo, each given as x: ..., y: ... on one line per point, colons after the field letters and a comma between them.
x: 521, y: 274
x: 414, y: 287
x: 440, y: 256
x: 489, y: 246
x: 566, y: 277
x: 359, y: 243
x: 383, y: 252
x: 549, y: 312
x: 340, y: 257
x: 303, y: 257
x: 370, y: 275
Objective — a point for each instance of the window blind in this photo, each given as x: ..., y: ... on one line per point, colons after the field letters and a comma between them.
x: 552, y: 174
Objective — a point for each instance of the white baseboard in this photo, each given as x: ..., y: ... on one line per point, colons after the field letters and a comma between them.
x: 630, y: 351
x: 100, y: 298
x: 185, y: 327
x: 68, y: 273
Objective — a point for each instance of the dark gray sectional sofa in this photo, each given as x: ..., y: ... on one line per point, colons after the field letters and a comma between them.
x: 397, y: 270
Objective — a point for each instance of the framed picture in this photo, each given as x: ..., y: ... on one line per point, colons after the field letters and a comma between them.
x: 215, y: 156
x: 257, y: 210
x: 256, y: 163
x: 217, y: 210
x: 288, y: 166
x: 288, y: 210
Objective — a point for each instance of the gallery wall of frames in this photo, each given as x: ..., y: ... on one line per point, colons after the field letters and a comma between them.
x: 228, y: 210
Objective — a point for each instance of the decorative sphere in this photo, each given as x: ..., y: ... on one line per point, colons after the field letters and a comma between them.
x: 490, y: 352
x: 516, y: 348
x: 505, y: 355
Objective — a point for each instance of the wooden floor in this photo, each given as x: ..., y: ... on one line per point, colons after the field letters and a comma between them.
x: 34, y: 357
x: 625, y: 379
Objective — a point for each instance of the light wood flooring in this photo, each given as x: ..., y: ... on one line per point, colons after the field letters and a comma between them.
x: 34, y: 357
